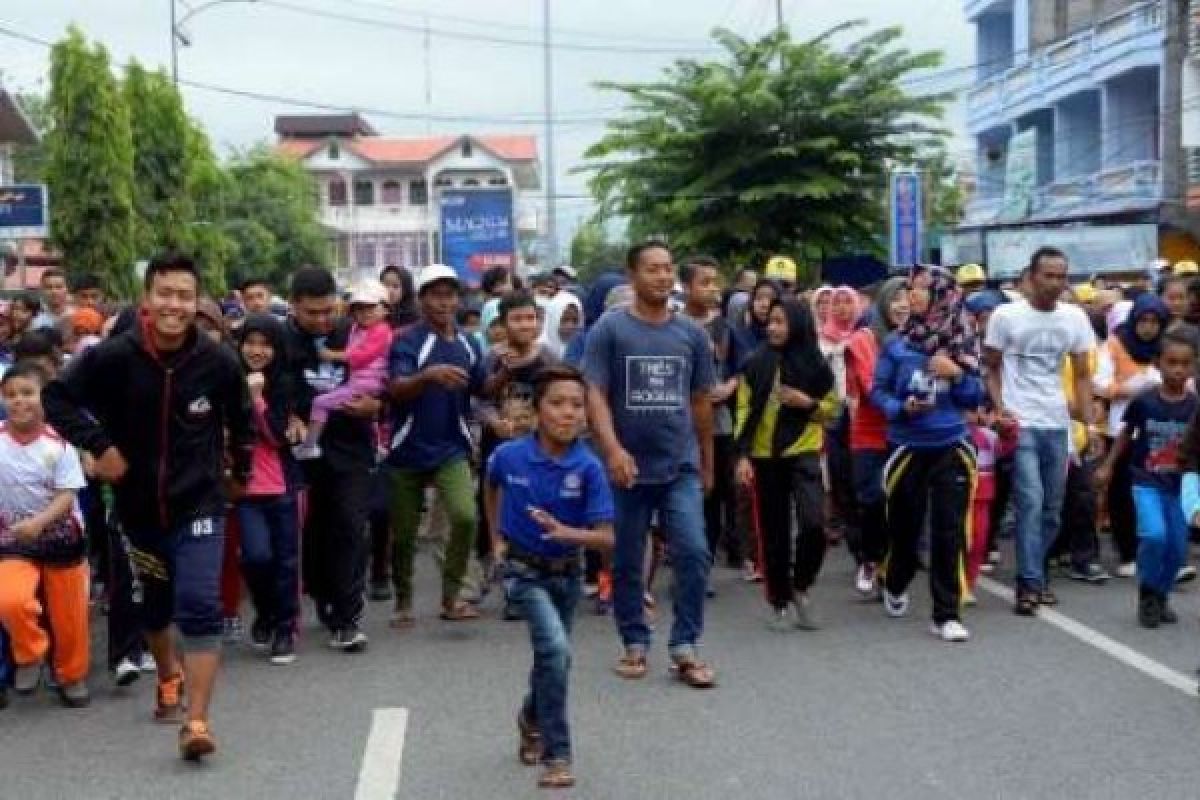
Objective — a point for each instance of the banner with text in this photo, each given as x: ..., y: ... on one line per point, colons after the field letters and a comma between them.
x: 477, y: 231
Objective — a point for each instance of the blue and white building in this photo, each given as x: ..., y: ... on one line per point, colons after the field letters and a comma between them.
x: 1070, y: 114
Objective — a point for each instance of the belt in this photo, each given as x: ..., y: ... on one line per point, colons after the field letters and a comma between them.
x: 566, y: 565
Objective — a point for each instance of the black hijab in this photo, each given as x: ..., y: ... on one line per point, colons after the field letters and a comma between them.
x: 278, y: 390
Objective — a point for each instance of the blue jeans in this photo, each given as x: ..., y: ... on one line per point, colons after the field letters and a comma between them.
x: 5, y: 664
x: 1039, y: 484
x: 1162, y: 537
x: 271, y: 558
x: 680, y: 504
x: 547, y: 603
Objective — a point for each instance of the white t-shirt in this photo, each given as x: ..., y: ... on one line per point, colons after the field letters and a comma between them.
x: 1034, y: 344
x: 31, y: 473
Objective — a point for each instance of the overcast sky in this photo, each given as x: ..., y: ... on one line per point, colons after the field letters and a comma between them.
x: 267, y: 47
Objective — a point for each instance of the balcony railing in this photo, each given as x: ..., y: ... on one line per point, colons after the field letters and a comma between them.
x: 1129, y: 186
x: 1078, y: 55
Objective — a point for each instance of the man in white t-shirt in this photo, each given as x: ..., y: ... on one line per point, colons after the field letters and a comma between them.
x: 1024, y: 352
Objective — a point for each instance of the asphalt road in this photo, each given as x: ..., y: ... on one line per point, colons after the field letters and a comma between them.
x: 868, y: 707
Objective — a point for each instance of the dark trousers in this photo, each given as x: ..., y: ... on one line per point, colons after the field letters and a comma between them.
x: 939, y: 482
x: 841, y: 482
x: 335, y: 545
x: 872, y: 506
x: 180, y: 573
x: 380, y: 529
x: 1120, y: 510
x: 125, y: 595
x: 1077, y: 534
x: 719, y: 505
x: 271, y: 558
x: 1001, y: 500
x: 781, y: 485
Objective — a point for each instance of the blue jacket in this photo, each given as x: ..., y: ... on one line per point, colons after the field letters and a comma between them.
x: 899, y: 374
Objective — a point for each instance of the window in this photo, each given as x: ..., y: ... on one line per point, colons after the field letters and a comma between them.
x: 337, y: 192
x: 364, y: 193
x: 467, y: 149
x: 335, y: 151
x: 418, y: 193
x: 393, y: 252
x: 497, y: 182
x: 470, y: 182
x: 391, y: 194
x: 364, y: 254
x: 443, y: 182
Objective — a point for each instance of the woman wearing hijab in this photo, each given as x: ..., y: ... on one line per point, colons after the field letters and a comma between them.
x: 784, y: 396
x: 838, y: 325
x: 564, y: 317
x: 868, y: 429
x: 925, y: 382
x: 1126, y: 368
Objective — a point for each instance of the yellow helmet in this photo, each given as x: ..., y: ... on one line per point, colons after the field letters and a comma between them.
x: 1186, y: 268
x: 971, y: 273
x: 781, y: 268
x: 1085, y: 293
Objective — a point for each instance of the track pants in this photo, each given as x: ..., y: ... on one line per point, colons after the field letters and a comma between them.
x: 783, y: 484
x: 65, y: 590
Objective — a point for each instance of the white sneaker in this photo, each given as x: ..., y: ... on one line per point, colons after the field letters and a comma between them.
x: 306, y: 452
x: 950, y: 631
x: 1186, y: 574
x: 126, y: 672
x: 147, y: 664
x: 1127, y: 570
x: 895, y: 605
x: 864, y: 581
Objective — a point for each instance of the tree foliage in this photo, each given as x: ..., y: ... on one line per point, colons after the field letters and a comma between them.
x: 593, y: 252
x: 780, y: 146
x: 89, y: 165
x: 29, y: 160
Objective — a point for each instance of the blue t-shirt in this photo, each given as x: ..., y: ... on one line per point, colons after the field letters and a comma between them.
x: 431, y: 429
x: 650, y: 373
x: 574, y: 490
x: 1157, y: 428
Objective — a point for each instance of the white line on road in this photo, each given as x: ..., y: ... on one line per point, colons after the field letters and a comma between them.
x: 379, y: 776
x: 1126, y: 655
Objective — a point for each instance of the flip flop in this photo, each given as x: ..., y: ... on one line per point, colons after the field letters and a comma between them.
x: 460, y: 612
x: 695, y: 674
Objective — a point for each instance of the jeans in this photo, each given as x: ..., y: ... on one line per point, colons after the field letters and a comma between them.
x: 1039, y: 483
x: 680, y: 504
x: 1162, y: 537
x: 547, y: 603
x: 271, y: 558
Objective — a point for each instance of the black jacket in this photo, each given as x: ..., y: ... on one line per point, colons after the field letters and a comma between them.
x: 167, y: 415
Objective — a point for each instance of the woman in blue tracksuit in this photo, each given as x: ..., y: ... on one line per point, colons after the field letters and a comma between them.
x: 925, y: 380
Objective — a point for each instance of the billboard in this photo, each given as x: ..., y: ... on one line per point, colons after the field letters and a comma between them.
x: 23, y: 211
x: 1090, y: 249
x: 906, y: 222
x: 477, y: 231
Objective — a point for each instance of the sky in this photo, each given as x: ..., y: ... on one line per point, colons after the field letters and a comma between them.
x: 377, y: 60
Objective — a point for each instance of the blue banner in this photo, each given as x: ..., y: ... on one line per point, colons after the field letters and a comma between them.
x: 22, y: 211
x: 906, y: 222
x: 477, y: 231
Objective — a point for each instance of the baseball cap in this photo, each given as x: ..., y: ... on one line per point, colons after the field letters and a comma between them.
x: 368, y: 293
x: 434, y: 273
x: 970, y: 273
x: 566, y: 269
x: 1084, y: 292
x: 1186, y: 268
x: 781, y: 268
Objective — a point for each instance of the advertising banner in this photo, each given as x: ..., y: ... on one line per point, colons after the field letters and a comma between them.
x: 477, y: 231
x: 906, y: 223
x: 23, y: 211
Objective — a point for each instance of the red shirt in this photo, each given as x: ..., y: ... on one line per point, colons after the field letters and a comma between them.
x: 868, y: 426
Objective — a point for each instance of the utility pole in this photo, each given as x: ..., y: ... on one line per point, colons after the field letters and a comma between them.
x: 779, y: 15
x: 551, y: 199
x: 428, y: 79
x: 174, y: 44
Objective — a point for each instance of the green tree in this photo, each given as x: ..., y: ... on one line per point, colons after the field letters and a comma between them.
x: 593, y: 252
x: 29, y: 160
x: 778, y: 147
x: 89, y: 165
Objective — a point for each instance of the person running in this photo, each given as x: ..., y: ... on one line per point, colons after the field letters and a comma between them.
x: 170, y: 480
x: 1024, y: 349
x: 435, y: 370
x: 650, y: 375
x: 925, y: 382
x: 43, y: 553
x: 1156, y: 426
x: 785, y: 395
x: 547, y: 498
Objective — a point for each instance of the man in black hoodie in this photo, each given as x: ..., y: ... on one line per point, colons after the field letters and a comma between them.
x: 152, y: 405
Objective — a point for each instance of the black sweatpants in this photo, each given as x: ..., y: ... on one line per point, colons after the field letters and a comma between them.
x: 940, y: 481
x: 1121, y: 514
x: 335, y: 541
x: 1077, y: 533
x: 783, y: 484
x: 720, y: 504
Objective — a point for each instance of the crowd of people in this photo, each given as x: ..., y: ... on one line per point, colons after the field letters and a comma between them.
x: 566, y: 442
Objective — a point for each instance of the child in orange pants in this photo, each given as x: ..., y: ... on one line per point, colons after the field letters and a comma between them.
x: 42, y: 549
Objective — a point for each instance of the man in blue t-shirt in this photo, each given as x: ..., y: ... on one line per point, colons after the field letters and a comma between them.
x: 649, y: 373
x: 435, y: 369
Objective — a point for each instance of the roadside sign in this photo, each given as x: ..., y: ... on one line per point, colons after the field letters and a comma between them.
x: 24, y: 211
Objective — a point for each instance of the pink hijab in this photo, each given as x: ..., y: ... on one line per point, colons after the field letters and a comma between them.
x: 835, y: 330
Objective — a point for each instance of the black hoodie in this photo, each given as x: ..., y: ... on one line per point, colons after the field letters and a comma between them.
x: 167, y: 414
x: 279, y: 391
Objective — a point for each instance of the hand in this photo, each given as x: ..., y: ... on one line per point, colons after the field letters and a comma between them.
x: 554, y: 530
x: 503, y: 428
x: 296, y: 430
x: 1006, y: 421
x: 363, y: 407
x: 111, y: 466
x: 256, y: 382
x: 28, y: 530
x: 622, y: 469
x: 944, y: 367
x: 707, y: 480
x: 88, y: 462
x: 499, y: 552
x: 234, y: 490
x: 914, y: 406
x: 721, y: 392
x: 1102, y: 477
x: 446, y: 376
x: 744, y: 472
x: 794, y: 398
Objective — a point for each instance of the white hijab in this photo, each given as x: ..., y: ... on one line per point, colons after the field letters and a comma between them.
x: 555, y: 309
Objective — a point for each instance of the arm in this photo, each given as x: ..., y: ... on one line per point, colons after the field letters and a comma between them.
x: 600, y: 421
x: 33, y: 527
x: 967, y: 391
x: 1190, y: 496
x: 598, y: 537
x: 65, y: 400
x: 374, y: 345
x: 1104, y: 471
x: 881, y: 388
x: 239, y: 421
x: 1082, y: 376
x: 992, y: 365
x: 828, y: 407
x: 702, y: 419
x: 492, y: 496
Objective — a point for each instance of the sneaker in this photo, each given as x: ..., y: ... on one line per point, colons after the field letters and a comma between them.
x: 802, y: 616
x: 1088, y: 573
x: 260, y: 634
x: 232, y: 630
x: 895, y: 605
x: 994, y: 558
x: 27, y: 678
x: 987, y: 568
x: 512, y: 612
x: 126, y: 672
x: 1026, y: 604
x: 970, y: 600
x: 864, y: 581
x: 950, y: 631
x: 75, y: 695
x: 146, y: 663
x: 591, y: 589
x: 750, y: 573
x: 283, y: 648
x: 380, y: 591
x: 781, y: 620
x: 1165, y: 612
x: 306, y: 452
x: 196, y: 741
x: 1186, y: 574
x: 169, y: 699
x: 1127, y: 570
x: 349, y: 640
x: 1149, y: 610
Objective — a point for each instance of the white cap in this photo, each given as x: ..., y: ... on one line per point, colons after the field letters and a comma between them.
x: 566, y: 269
x: 434, y: 273
x: 368, y: 293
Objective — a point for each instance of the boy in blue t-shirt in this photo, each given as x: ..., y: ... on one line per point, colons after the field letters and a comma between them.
x: 547, y: 498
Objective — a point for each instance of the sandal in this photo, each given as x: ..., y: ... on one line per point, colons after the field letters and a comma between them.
x: 1026, y: 605
x: 1047, y: 598
x: 460, y: 611
x: 632, y: 665
x: 557, y: 775
x: 402, y: 619
x: 529, y: 746
x: 695, y: 674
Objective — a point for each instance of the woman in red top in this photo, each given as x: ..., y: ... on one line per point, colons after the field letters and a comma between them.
x: 868, y: 428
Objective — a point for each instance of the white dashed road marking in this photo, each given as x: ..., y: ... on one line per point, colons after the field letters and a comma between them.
x: 379, y: 776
